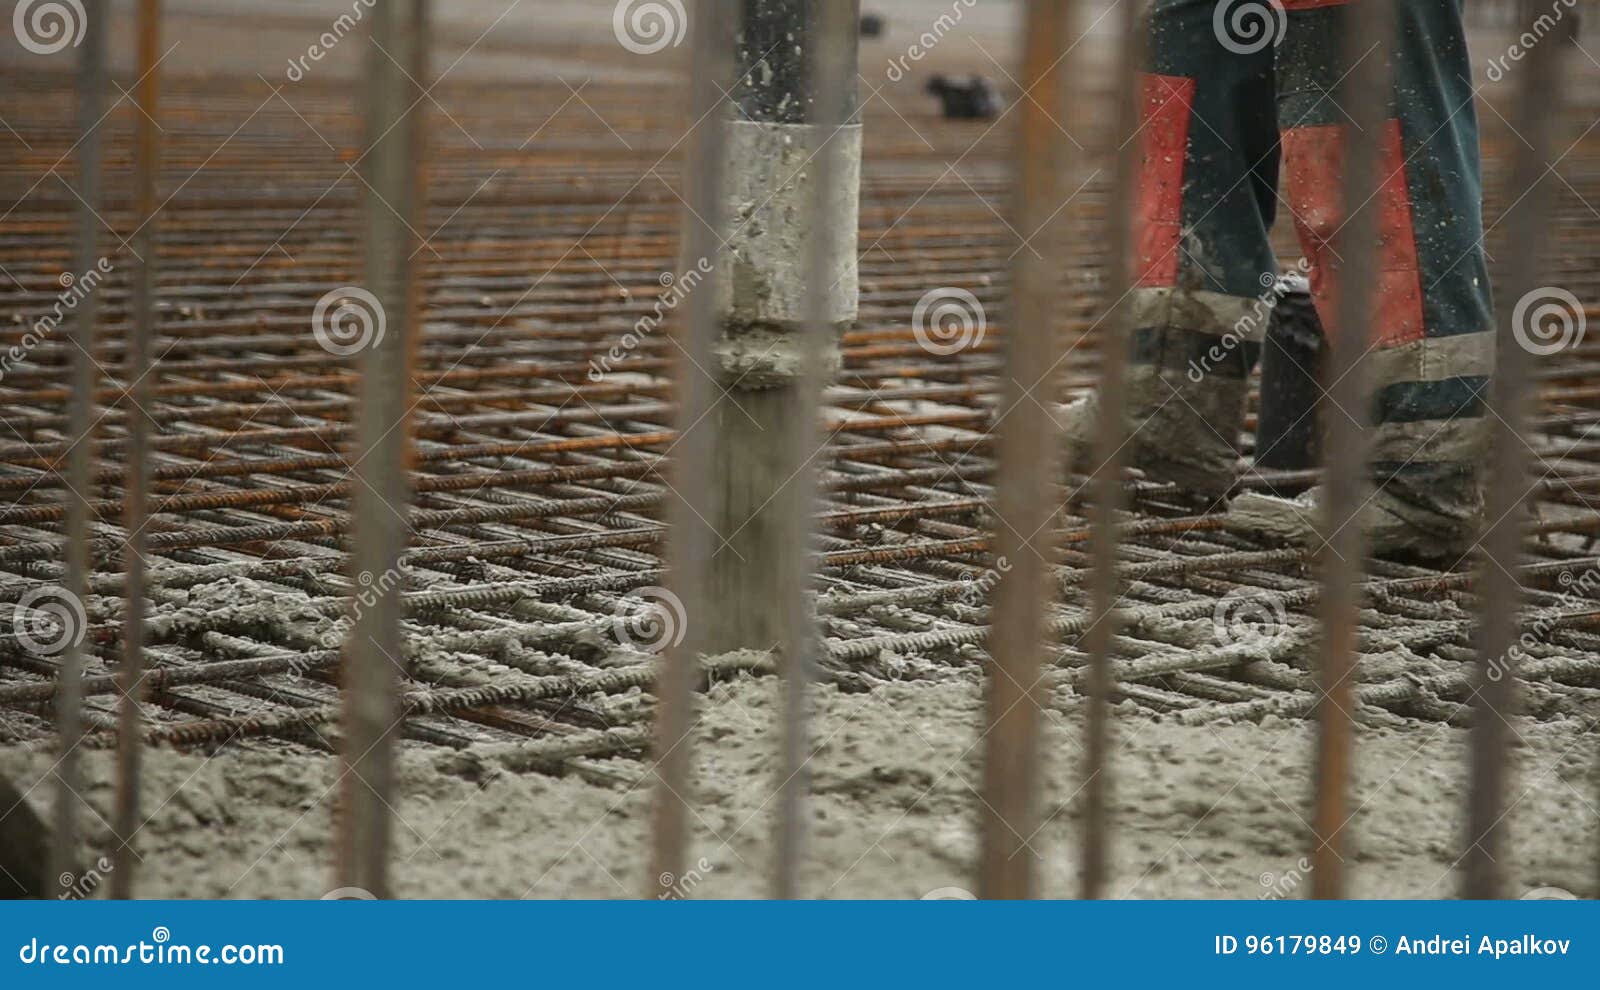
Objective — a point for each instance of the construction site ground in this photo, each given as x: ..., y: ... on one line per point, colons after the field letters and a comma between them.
x: 1218, y: 811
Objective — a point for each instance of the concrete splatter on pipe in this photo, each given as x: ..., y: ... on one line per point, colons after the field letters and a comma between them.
x: 770, y: 134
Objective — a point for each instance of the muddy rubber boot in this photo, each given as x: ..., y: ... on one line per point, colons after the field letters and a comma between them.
x: 1077, y: 420
x: 24, y: 848
x: 1289, y: 421
x: 1183, y: 425
x: 1431, y: 514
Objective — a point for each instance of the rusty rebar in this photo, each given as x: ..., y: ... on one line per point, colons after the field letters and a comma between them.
x: 1029, y: 459
x: 830, y: 38
x: 137, y: 374
x: 1539, y: 97
x: 392, y: 168
x: 1114, y: 329
x: 91, y: 86
x: 693, y: 539
x: 1364, y: 92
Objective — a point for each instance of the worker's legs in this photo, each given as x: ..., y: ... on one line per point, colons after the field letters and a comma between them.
x: 1203, y: 267
x: 1209, y: 168
x: 1432, y: 340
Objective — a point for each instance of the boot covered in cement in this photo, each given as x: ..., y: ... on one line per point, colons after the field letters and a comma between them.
x: 1182, y: 429
x: 24, y: 848
x: 1432, y: 513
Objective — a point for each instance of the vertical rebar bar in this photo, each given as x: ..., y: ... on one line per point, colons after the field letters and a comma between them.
x: 1527, y: 233
x: 692, y: 539
x: 136, y: 373
x: 1030, y: 456
x: 1110, y: 439
x: 831, y: 41
x: 393, y: 171
x: 1369, y: 30
x: 91, y: 82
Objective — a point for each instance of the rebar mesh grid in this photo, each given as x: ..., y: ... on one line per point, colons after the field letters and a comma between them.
x: 543, y: 426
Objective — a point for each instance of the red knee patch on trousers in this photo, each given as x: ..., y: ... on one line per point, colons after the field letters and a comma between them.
x: 1166, y: 104
x: 1314, y: 163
